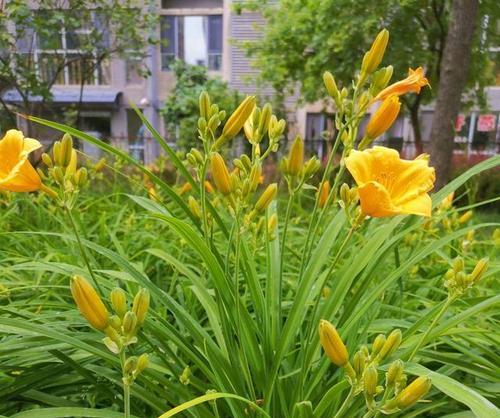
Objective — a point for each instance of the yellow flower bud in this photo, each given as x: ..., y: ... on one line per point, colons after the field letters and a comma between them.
x: 415, y: 391
x: 296, y: 157
x: 130, y: 364
x: 265, y: 117
x: 391, y: 345
x: 89, y: 303
x: 66, y: 149
x: 333, y: 344
x: 458, y: 264
x: 359, y: 363
x: 47, y: 160
x: 331, y: 86
x: 323, y: 194
x: 267, y: 197
x: 208, y: 187
x: 381, y: 78
x: 272, y: 224
x: 193, y: 205
x: 374, y: 56
x: 479, y: 270
x: 255, y: 174
x: 370, y: 381
x: 115, y: 322
x: 394, y: 373
x: 129, y: 323
x: 141, y: 305
x: 204, y: 104
x: 238, y: 118
x: 465, y: 217
x: 384, y: 117
x: 119, y: 301
x: 142, y: 364
x: 378, y: 344
x: 220, y: 174
x: 99, y: 165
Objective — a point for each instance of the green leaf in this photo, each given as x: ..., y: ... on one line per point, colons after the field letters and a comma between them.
x: 479, y: 405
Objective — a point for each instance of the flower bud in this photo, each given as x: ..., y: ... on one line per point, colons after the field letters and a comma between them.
x: 296, y: 157
x: 391, y: 345
x: 89, y: 303
x: 311, y: 167
x: 115, y: 322
x: 99, y: 165
x: 370, y: 381
x: 415, y: 391
x: 332, y: 344
x: 479, y: 270
x: 220, y: 174
x: 374, y: 56
x: 359, y: 363
x: 267, y: 197
x: 208, y: 187
x: 272, y: 224
x: 394, y: 373
x: 66, y: 149
x: 193, y: 205
x: 331, y: 86
x: 378, y: 344
x: 381, y: 78
x: 265, y: 117
x: 130, y: 364
x: 142, y: 364
x: 458, y: 264
x: 119, y: 301
x: 204, y: 104
x: 186, y: 187
x: 129, y: 322
x: 323, y: 194
x: 465, y: 217
x: 255, y: 174
x: 141, y: 306
x: 47, y: 160
x: 384, y: 117
x: 238, y: 118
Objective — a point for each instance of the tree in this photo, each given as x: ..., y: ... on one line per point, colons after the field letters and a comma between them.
x: 42, y: 41
x: 181, y: 111
x: 454, y: 68
x: 304, y: 38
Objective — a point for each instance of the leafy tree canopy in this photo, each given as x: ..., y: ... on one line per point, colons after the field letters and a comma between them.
x: 181, y: 110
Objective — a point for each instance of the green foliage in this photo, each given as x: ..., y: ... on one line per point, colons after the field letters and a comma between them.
x: 389, y: 275
x: 180, y: 111
x: 303, y: 39
x: 98, y: 29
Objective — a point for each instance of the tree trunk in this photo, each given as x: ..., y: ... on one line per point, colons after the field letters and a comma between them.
x: 415, y: 123
x: 453, y: 76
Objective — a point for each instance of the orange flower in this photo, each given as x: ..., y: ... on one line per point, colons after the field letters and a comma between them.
x: 16, y: 172
x: 389, y: 185
x: 411, y: 84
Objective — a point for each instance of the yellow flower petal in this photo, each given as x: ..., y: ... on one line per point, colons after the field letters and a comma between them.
x: 421, y: 205
x: 375, y: 200
x: 16, y: 172
x: 31, y: 145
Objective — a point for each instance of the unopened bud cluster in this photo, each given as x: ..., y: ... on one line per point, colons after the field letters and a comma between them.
x: 458, y: 281
x: 296, y: 170
x: 363, y: 373
x: 63, y: 171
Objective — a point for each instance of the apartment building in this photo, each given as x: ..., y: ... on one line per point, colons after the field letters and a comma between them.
x: 200, y: 32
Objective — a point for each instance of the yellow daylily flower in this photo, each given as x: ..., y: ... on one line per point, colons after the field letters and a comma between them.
x: 16, y: 172
x: 411, y: 84
x: 389, y: 185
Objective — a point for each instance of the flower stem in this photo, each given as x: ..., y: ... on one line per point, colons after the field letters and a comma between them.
x: 82, y: 249
x: 423, y: 339
x: 282, y: 255
x: 345, y: 404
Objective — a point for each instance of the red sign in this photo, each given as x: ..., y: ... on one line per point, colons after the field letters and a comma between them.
x: 486, y: 123
x: 459, y: 123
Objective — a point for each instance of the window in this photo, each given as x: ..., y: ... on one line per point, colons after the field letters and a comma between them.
x: 64, y: 57
x: 195, y: 39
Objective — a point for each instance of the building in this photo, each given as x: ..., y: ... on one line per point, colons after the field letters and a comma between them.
x: 199, y: 32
